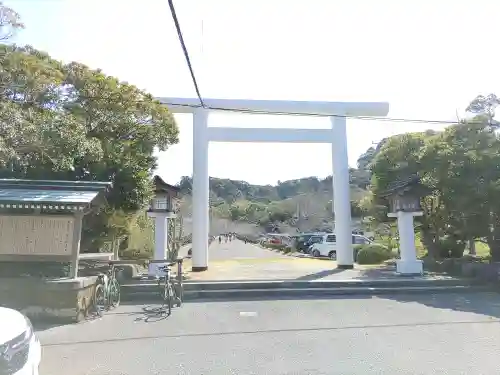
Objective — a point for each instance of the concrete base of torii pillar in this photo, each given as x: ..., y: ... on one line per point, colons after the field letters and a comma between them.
x: 161, y: 240
x: 408, y: 264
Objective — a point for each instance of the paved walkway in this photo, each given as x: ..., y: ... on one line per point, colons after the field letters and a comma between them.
x: 238, y: 250
x: 413, y: 334
x: 239, y: 261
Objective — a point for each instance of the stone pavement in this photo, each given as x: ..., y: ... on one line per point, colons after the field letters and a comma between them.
x: 239, y: 261
x: 401, y: 334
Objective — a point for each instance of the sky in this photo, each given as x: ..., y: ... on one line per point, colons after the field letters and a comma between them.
x: 427, y: 58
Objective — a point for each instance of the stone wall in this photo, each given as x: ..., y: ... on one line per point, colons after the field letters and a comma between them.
x: 465, y: 267
x: 60, y: 299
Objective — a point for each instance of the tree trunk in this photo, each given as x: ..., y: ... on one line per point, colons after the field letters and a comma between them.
x: 429, y: 241
x: 493, y: 239
x: 472, y: 247
x: 494, y: 244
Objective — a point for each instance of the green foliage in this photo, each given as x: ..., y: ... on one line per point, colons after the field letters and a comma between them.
x: 140, y: 240
x: 248, y: 238
x: 276, y: 246
x: 461, y: 168
x: 451, y: 247
x: 69, y: 122
x: 372, y: 254
x: 304, y: 203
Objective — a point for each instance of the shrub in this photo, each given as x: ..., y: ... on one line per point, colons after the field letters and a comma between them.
x: 275, y: 246
x: 372, y: 254
x: 450, y: 247
x: 249, y: 238
x: 130, y: 254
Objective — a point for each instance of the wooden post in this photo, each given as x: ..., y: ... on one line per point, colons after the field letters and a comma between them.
x: 179, y: 278
x: 116, y: 249
x: 75, y: 246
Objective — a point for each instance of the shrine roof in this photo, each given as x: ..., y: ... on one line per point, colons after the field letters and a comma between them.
x: 50, y: 192
x: 402, y: 185
x: 161, y: 185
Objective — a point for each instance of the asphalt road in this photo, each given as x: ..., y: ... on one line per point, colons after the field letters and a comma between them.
x: 433, y: 334
x: 237, y: 249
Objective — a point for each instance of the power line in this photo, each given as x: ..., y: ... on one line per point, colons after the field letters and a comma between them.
x: 252, y: 111
x: 184, y: 50
x: 312, y: 114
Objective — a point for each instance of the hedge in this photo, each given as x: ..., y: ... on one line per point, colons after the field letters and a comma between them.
x: 248, y: 238
x: 277, y: 246
x: 372, y: 254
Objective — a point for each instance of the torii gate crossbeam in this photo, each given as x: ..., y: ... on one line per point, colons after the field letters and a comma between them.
x: 336, y: 136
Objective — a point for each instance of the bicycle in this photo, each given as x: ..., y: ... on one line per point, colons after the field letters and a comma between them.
x: 168, y: 291
x: 107, y: 290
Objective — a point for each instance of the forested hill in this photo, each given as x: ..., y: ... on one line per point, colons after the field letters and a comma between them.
x: 232, y: 190
x: 306, y: 200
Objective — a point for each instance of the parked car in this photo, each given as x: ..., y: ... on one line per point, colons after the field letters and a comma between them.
x: 304, y: 241
x: 326, y: 245
x: 314, y: 239
x: 20, y: 350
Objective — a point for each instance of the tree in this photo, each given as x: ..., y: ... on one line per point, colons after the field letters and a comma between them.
x: 10, y: 22
x: 71, y: 122
x: 461, y: 167
x: 400, y: 157
x: 484, y: 107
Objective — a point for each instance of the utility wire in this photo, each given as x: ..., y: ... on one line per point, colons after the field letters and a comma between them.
x: 252, y: 111
x: 312, y: 114
x: 13, y: 87
x: 185, y: 51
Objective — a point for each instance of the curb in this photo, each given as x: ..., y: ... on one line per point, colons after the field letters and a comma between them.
x: 235, y: 295
x: 237, y: 290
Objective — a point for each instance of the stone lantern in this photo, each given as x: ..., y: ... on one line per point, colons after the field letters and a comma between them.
x: 164, y: 206
x: 404, y: 204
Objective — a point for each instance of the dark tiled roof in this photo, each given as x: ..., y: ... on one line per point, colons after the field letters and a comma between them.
x: 49, y: 192
x: 161, y: 185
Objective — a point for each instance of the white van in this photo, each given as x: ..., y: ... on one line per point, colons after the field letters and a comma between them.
x: 20, y: 350
x: 326, y: 245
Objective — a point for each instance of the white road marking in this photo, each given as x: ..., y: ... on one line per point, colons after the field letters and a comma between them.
x: 248, y: 313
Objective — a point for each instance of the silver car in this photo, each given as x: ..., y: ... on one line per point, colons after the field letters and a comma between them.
x: 20, y: 350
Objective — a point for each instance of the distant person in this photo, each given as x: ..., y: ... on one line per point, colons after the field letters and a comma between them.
x: 220, y: 240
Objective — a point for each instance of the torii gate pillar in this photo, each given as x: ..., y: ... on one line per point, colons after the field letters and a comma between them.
x: 336, y: 136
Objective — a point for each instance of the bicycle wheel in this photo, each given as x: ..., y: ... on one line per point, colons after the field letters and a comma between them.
x: 114, y: 293
x: 161, y: 288
x: 99, y: 299
x: 177, y: 288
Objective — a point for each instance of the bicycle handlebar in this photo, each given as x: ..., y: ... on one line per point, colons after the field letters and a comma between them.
x: 116, y: 262
x: 166, y: 262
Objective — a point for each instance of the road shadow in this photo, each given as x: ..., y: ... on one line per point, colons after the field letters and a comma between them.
x: 147, y: 313
x: 389, y: 272
x: 242, y: 298
x: 320, y: 274
x: 45, y: 323
x: 481, y: 303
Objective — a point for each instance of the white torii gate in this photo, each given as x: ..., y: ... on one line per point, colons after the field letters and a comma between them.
x: 336, y: 136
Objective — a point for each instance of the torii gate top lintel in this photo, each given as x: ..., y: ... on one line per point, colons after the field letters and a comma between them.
x: 189, y: 105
